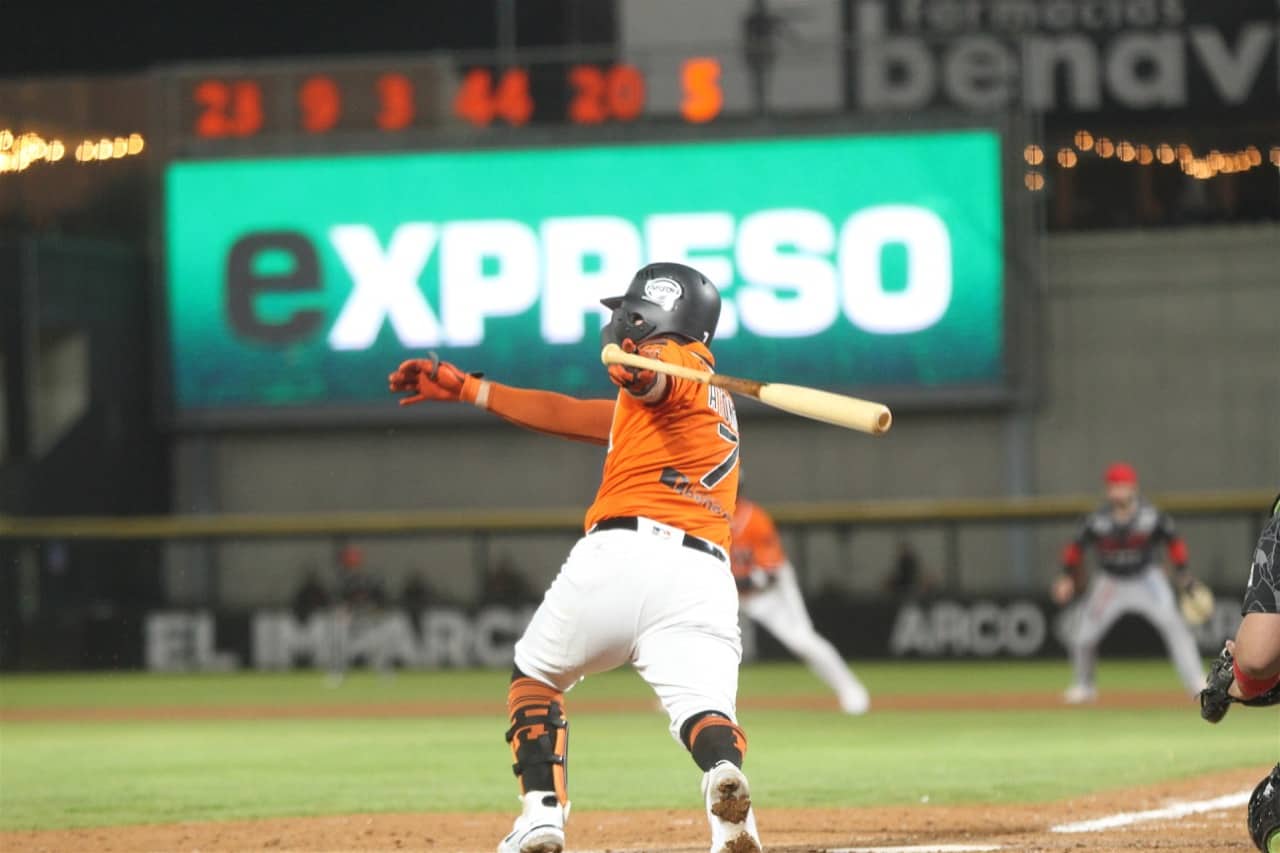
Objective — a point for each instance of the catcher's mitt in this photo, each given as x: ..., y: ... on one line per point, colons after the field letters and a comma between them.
x: 1195, y: 600
x: 1214, y: 698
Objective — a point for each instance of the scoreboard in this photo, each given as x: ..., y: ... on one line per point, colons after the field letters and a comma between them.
x: 325, y: 219
x: 397, y: 100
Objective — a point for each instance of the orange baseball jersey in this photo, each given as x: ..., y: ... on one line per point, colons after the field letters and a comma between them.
x: 676, y: 461
x: 756, y: 544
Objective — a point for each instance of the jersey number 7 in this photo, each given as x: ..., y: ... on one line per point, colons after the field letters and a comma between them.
x: 713, y: 477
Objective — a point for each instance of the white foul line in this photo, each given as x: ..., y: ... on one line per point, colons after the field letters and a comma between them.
x: 922, y: 848
x: 1173, y: 812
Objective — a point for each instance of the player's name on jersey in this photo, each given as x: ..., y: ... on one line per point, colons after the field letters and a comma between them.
x: 797, y: 274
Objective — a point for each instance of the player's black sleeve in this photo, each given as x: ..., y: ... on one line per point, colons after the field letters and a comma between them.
x: 1263, y: 591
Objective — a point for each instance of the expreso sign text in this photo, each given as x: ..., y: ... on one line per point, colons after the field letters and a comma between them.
x: 795, y: 273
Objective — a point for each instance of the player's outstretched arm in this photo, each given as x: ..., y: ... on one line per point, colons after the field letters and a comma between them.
x: 1066, y: 585
x: 422, y: 379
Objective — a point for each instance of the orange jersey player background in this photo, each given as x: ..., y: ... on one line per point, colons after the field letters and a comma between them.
x: 756, y: 544
x: 674, y: 461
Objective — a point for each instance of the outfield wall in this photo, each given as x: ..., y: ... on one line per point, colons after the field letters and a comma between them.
x: 449, y: 637
x: 1186, y: 420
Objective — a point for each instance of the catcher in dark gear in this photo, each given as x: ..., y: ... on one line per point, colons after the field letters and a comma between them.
x: 1248, y: 672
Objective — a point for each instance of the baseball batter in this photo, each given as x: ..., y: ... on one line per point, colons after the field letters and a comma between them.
x: 1126, y: 533
x: 769, y: 593
x: 649, y: 583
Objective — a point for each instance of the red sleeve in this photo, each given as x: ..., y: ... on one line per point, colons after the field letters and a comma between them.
x: 1252, y: 687
x: 1072, y: 555
x: 549, y: 412
x: 1178, y: 551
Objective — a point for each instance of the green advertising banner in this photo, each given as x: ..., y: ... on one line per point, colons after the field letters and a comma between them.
x: 845, y: 262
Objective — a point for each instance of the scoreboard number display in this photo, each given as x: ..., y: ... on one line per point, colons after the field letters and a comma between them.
x: 433, y: 93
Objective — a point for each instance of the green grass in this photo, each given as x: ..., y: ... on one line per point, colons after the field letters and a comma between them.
x: 81, y: 774
x: 116, y: 690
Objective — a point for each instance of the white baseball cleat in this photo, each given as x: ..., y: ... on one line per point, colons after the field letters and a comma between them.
x: 856, y: 701
x: 540, y: 827
x: 733, y: 821
x: 1080, y: 694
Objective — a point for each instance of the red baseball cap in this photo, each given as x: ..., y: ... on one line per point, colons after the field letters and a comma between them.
x: 1121, y: 472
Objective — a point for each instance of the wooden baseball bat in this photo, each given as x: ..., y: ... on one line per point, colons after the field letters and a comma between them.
x: 848, y: 412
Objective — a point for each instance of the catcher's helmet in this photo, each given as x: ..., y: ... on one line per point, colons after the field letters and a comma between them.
x: 664, y: 299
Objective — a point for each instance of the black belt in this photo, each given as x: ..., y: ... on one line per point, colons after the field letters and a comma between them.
x: 630, y: 522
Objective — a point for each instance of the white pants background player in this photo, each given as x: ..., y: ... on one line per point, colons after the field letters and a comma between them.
x: 1126, y: 532
x: 780, y: 609
x: 771, y: 596
x: 1147, y: 594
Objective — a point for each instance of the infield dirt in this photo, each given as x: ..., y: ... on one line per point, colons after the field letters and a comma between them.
x: 1007, y: 828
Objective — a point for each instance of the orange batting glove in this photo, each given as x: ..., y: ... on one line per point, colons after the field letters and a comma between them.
x: 639, y: 382
x: 432, y: 379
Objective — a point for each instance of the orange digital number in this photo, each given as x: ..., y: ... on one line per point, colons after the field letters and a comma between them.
x: 515, y: 104
x: 626, y: 92
x: 395, y: 94
x: 214, y: 98
x: 587, y: 106
x: 321, y: 104
x: 473, y: 102
x: 246, y: 105
x: 479, y: 102
x: 700, y: 82
x: 228, y: 109
x: 601, y: 95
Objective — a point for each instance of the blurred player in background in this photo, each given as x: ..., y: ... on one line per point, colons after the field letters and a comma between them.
x: 1126, y: 531
x: 360, y: 609
x: 769, y: 593
x: 649, y: 583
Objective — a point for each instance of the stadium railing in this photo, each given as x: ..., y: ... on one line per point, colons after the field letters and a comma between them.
x: 951, y: 516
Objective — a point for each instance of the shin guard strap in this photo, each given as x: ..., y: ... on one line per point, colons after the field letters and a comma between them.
x: 539, y: 738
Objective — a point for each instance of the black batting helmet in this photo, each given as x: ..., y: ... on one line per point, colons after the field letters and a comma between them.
x: 664, y: 299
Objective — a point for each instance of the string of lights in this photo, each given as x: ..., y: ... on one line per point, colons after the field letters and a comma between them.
x: 19, y: 152
x: 1203, y: 167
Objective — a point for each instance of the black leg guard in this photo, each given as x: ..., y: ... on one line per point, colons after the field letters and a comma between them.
x: 711, y: 737
x: 539, y: 738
